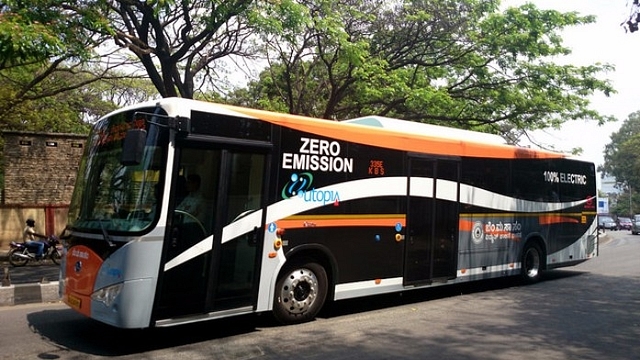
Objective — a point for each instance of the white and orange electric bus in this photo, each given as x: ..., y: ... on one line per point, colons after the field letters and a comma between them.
x: 292, y: 212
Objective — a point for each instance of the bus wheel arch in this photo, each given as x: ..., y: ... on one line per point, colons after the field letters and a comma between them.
x: 533, y: 260
x: 302, y: 287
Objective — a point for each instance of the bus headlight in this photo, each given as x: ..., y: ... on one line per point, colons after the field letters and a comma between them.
x: 107, y: 295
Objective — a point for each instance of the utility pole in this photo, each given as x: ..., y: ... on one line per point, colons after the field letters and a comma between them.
x: 630, y: 203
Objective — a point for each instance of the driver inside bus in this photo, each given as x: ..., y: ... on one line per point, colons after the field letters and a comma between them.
x: 193, y: 203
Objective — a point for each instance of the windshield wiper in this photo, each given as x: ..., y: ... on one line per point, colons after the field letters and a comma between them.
x: 105, y: 234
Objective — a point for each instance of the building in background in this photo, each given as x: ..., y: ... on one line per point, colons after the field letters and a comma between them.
x: 40, y: 171
x: 608, y: 185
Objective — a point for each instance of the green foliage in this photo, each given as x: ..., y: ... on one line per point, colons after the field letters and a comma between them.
x: 620, y: 205
x: 456, y: 63
x: 21, y: 41
x: 37, y: 30
x: 622, y: 154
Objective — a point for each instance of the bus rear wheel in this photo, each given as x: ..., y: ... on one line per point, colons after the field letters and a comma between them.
x: 532, y: 263
x: 301, y: 291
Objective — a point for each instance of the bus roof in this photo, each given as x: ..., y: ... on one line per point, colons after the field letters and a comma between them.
x: 444, y: 143
x: 423, y: 128
x: 375, y: 131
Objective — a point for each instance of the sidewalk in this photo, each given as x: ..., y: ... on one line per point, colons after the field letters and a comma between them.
x: 19, y: 294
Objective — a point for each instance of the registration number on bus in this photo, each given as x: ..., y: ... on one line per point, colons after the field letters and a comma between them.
x: 74, y: 301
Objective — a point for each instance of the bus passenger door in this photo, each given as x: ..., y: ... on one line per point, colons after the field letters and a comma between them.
x: 238, y: 240
x: 212, y: 253
x: 431, y: 240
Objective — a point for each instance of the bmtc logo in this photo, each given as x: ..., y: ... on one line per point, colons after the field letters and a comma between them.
x: 300, y: 185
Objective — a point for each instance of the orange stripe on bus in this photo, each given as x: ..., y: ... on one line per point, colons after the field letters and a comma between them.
x: 394, y: 139
x: 465, y: 225
x: 555, y: 219
x: 332, y: 221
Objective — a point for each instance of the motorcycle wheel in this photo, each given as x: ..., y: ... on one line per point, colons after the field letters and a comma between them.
x: 56, y: 256
x: 15, y: 259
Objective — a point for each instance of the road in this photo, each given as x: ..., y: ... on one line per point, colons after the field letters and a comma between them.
x: 590, y: 311
x: 32, y: 272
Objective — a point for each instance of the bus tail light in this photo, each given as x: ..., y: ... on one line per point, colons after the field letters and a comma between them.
x: 107, y: 295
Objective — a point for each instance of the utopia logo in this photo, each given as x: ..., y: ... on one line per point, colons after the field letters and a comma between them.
x: 300, y: 185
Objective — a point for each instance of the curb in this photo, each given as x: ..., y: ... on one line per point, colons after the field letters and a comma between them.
x: 20, y: 294
x: 30, y: 293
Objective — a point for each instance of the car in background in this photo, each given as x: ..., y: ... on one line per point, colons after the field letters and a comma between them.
x: 635, y: 225
x: 624, y: 223
x: 606, y: 222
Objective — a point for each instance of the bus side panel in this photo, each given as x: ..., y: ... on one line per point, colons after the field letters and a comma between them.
x: 586, y: 247
x: 491, y: 243
x: 354, y: 200
x: 361, y: 253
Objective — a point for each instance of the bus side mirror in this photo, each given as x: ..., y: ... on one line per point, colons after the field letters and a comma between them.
x: 133, y: 147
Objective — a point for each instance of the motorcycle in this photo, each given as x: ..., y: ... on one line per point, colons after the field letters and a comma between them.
x: 21, y: 253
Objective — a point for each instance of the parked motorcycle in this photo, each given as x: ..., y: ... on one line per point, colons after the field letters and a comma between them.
x: 20, y: 253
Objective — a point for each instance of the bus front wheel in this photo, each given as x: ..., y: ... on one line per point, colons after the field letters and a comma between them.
x: 301, y: 290
x: 532, y: 263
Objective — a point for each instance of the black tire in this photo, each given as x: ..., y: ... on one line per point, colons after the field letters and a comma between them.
x: 16, y: 260
x: 301, y: 290
x: 56, y: 256
x: 532, y: 263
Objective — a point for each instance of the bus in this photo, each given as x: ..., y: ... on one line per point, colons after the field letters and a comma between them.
x: 293, y: 212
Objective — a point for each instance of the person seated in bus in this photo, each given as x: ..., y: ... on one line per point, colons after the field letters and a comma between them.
x: 193, y: 203
x: 29, y: 237
x: 181, y: 189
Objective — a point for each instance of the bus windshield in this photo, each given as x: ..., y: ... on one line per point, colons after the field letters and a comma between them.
x: 110, y: 196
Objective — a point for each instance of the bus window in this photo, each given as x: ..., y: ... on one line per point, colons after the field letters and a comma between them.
x: 196, y: 191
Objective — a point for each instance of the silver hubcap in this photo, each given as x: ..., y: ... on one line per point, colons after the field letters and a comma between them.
x: 532, y: 263
x: 299, y: 291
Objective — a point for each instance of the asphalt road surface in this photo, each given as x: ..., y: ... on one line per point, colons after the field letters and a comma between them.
x: 33, y: 272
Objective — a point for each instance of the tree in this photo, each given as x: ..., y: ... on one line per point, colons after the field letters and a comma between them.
x: 182, y: 46
x: 51, y: 77
x: 455, y: 63
x: 46, y: 107
x: 47, y: 50
x: 621, y: 205
x: 177, y: 41
x: 311, y: 72
x: 39, y: 30
x: 622, y: 155
x: 631, y: 23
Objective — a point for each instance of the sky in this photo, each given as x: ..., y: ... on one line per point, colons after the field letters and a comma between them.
x: 604, y: 41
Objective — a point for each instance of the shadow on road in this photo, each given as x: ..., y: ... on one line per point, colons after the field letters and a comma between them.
x: 351, y: 306
x: 75, y: 332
